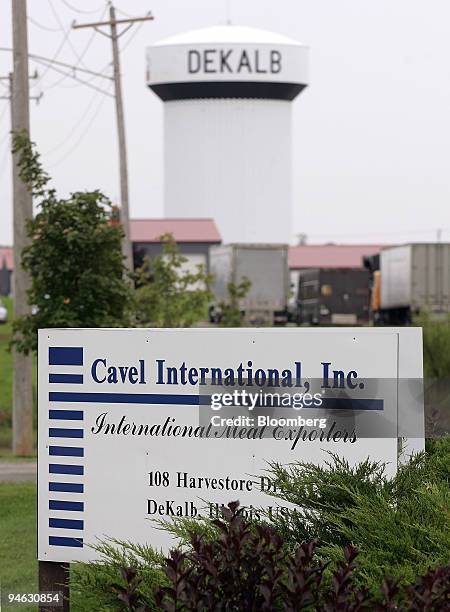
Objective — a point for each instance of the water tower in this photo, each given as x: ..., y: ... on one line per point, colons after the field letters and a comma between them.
x: 227, y: 94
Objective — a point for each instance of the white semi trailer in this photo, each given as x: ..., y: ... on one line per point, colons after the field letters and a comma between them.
x: 413, y: 278
x: 266, y: 267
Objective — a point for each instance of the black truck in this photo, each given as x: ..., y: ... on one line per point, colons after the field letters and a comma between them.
x: 333, y: 296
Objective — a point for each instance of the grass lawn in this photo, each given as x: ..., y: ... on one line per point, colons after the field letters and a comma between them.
x: 6, y: 384
x: 18, y: 565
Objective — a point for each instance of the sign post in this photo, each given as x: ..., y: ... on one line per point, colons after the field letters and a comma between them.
x: 54, y: 578
x: 139, y: 424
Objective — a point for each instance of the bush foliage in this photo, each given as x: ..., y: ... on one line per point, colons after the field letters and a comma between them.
x: 356, y: 541
x: 94, y: 586
x: 229, y: 310
x: 247, y: 567
x: 168, y: 295
x: 436, y: 346
x: 401, y: 525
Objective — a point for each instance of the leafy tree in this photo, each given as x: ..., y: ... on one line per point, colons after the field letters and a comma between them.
x: 168, y: 295
x: 74, y: 259
x: 230, y: 311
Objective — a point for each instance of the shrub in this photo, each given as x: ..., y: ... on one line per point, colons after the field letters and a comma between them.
x: 98, y: 585
x: 400, y: 525
x: 247, y: 568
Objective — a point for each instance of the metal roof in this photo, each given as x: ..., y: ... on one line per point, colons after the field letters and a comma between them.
x: 331, y: 255
x: 183, y: 230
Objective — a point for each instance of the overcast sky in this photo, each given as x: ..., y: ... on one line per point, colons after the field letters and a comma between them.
x: 371, y: 133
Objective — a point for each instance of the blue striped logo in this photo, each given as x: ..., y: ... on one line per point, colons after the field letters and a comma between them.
x: 66, y: 487
x: 66, y: 435
x: 65, y: 356
x: 71, y: 506
x: 58, y: 468
x: 64, y: 541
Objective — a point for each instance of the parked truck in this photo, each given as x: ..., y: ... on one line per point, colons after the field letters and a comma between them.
x: 411, y: 278
x: 266, y: 267
x: 333, y: 296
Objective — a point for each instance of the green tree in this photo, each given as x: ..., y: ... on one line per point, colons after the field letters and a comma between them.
x: 168, y: 295
x: 74, y: 259
x: 230, y: 314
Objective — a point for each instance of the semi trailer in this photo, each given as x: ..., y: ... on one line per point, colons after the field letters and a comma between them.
x: 333, y: 296
x: 266, y: 267
x: 410, y: 279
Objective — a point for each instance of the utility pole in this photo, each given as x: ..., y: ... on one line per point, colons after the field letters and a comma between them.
x: 23, y: 211
x: 123, y: 165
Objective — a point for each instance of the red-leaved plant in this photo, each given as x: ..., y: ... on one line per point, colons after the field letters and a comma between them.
x: 247, y: 568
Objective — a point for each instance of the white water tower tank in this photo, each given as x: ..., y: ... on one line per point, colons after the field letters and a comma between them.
x: 227, y: 94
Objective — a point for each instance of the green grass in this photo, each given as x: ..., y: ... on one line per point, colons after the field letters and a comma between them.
x: 6, y: 383
x: 18, y: 564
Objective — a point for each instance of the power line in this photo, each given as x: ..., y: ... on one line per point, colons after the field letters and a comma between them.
x: 49, y: 60
x: 56, y: 54
x: 123, y: 13
x: 72, y: 76
x: 65, y: 40
x: 76, y: 125
x: 75, y: 52
x: 78, y: 10
x: 131, y: 37
x: 83, y: 53
x: 82, y: 135
x: 77, y: 83
x: 43, y: 27
x: 65, y: 65
x: 54, y: 65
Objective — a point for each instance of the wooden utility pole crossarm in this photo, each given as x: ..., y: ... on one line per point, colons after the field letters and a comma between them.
x: 123, y: 165
x: 77, y: 26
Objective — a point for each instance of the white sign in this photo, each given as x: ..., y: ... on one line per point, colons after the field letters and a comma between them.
x: 184, y: 63
x: 123, y: 421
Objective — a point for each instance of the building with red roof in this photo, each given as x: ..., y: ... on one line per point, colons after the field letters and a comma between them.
x: 194, y: 237
x: 305, y: 256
